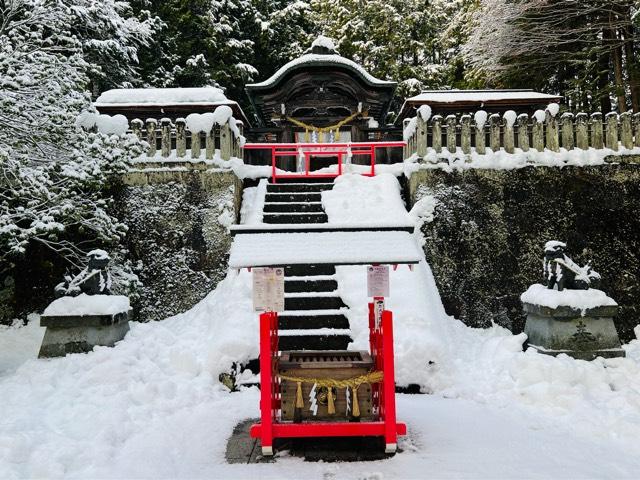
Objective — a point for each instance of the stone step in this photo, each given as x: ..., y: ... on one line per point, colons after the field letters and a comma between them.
x: 292, y: 197
x: 306, y: 270
x: 294, y: 218
x: 298, y: 187
x: 295, y: 286
x: 313, y: 303
x: 302, y: 322
x: 297, y: 207
x: 313, y: 342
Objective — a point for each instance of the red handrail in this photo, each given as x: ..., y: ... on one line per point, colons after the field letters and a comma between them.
x: 310, y: 150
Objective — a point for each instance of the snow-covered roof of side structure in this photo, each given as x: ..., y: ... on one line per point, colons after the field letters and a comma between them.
x: 445, y: 102
x: 162, y: 96
x: 450, y: 96
x: 320, y: 60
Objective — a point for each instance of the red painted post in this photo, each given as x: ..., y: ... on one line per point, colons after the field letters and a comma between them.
x: 266, y: 406
x: 388, y: 384
x: 339, y: 163
x: 307, y: 162
x: 273, y: 164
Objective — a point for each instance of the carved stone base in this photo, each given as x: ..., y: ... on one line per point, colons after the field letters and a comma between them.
x: 567, y: 330
x: 79, y: 334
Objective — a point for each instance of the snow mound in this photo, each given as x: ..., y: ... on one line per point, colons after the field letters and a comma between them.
x: 579, y: 299
x: 85, y: 304
x: 480, y: 117
x: 510, y: 118
x: 356, y: 199
x: 325, y: 42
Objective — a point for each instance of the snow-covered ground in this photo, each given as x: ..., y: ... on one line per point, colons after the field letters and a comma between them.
x: 152, y: 406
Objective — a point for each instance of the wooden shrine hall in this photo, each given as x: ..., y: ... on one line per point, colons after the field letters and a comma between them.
x: 322, y: 97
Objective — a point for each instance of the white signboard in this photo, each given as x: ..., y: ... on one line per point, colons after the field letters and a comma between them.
x: 378, y: 280
x: 268, y: 289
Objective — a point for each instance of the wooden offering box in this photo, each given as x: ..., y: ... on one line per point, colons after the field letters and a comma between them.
x: 336, y: 365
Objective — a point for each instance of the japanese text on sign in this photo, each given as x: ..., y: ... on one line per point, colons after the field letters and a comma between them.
x: 268, y: 289
x: 378, y: 281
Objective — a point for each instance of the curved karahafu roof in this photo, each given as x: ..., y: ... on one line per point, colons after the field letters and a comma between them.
x: 319, y: 63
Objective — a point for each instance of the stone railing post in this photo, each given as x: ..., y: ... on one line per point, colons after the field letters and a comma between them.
x: 612, y: 131
x: 151, y: 137
x: 420, y: 136
x: 136, y: 127
x: 523, y: 132
x: 465, y: 134
x: 626, y: 121
x: 553, y: 140
x: 597, y: 136
x: 636, y: 129
x: 537, y: 134
x: 494, y: 132
x: 451, y: 133
x: 225, y: 142
x: 481, y: 141
x: 568, y: 141
x: 210, y: 142
x: 165, y: 140
x: 406, y: 150
x: 509, y: 137
x: 236, y: 140
x: 436, y: 133
x: 195, y: 145
x: 181, y: 138
x: 582, y: 131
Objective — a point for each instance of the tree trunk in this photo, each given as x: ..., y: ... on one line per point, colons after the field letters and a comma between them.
x: 633, y: 72
x: 616, y: 55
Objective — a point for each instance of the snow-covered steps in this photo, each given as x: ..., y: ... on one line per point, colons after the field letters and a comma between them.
x: 313, y: 302
x: 291, y: 207
x: 291, y: 286
x: 308, y: 271
x: 301, y: 322
x: 316, y: 228
x: 292, y: 197
x: 320, y: 339
x: 298, y: 187
x: 294, y: 217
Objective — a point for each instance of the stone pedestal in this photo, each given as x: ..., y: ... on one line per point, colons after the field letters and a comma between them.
x: 80, y: 333
x: 580, y: 334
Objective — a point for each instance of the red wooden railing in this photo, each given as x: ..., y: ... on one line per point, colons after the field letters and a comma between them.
x: 319, y: 150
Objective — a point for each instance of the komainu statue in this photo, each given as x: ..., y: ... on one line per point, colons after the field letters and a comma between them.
x: 95, y: 279
x: 561, y: 272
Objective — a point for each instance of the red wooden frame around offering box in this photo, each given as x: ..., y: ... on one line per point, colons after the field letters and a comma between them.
x: 383, y: 401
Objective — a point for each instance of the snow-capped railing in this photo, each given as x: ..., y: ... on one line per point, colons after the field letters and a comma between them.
x: 188, y: 137
x: 543, y: 130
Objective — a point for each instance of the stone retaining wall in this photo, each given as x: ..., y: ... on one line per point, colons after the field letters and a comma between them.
x: 485, y: 243
x: 178, y: 242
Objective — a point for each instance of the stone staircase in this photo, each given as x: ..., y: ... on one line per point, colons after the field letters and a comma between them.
x: 314, y: 316
x: 295, y: 203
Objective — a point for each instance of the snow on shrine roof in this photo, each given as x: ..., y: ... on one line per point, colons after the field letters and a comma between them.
x: 451, y: 96
x: 162, y: 96
x: 337, y: 248
x: 319, y: 59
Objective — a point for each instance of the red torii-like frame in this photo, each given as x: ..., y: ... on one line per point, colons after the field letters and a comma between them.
x: 309, y: 150
x: 383, y: 394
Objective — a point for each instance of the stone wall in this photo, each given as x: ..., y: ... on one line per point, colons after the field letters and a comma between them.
x: 485, y: 243
x: 178, y: 241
